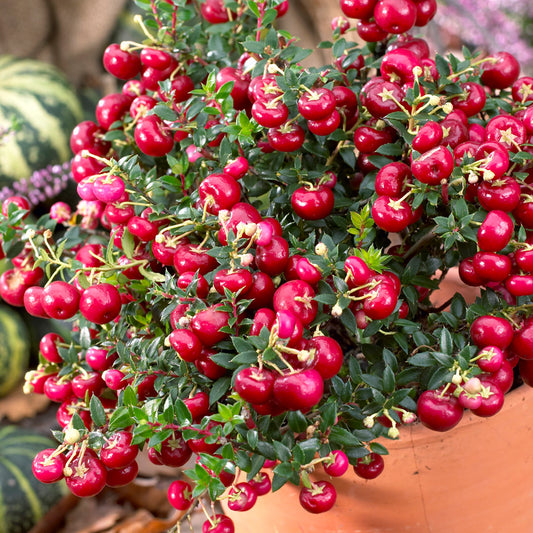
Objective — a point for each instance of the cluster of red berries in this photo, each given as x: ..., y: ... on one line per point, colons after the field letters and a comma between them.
x: 501, y: 347
x: 379, y: 18
x: 182, y: 283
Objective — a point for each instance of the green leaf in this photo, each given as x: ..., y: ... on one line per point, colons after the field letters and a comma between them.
x: 120, y: 419
x: 77, y: 423
x: 285, y: 470
x: 343, y: 437
x: 268, y: 17
x: 374, y: 381
x: 253, y: 8
x: 252, y: 436
x: 164, y: 112
x: 245, y: 358
x: 129, y: 397
x: 438, y: 378
x: 446, y: 341
x: 183, y: 415
x: 218, y: 389
x: 243, y: 461
x: 423, y: 359
x: 389, y: 380
x: 376, y: 447
x: 354, y: 368
x: 282, y: 452
x: 257, y: 464
x: 297, y: 421
x: 97, y: 411
x: 128, y: 243
x: 339, y: 47
x: 392, y: 149
x: 278, y: 481
x: 443, y: 67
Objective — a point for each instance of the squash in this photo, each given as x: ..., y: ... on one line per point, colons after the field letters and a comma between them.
x: 14, y: 349
x: 40, y: 100
x: 23, y: 499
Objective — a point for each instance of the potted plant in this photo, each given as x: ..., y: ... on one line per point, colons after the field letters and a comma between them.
x: 254, y: 273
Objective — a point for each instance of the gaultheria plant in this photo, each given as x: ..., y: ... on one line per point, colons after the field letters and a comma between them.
x: 254, y: 272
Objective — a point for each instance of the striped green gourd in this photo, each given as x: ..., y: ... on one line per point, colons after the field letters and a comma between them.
x: 14, y: 349
x: 23, y: 499
x: 41, y: 100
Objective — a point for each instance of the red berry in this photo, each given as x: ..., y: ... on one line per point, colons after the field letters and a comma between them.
x: 60, y: 300
x: 88, y: 476
x: 100, y: 303
x: 491, y: 266
x: 207, y: 325
x: 214, y: 12
x: 501, y: 71
x: 88, y: 383
x: 57, y: 389
x: 192, y: 258
x: 118, y: 451
x: 120, y: 477
x: 122, y: 64
x: 316, y: 104
x: 370, y: 466
x: 219, y: 191
x: 254, y: 385
x: 319, y: 498
x: 218, y: 523
x: 296, y: 296
x: 47, y: 465
x: 261, y: 483
x: 492, y: 403
x: 495, y: 232
x: 433, y: 167
x: 313, y: 203
x: 286, y: 138
x: 179, y: 495
x: 337, y: 463
x: 299, y: 391
x: 239, y: 91
x: 391, y: 214
x: 439, y: 411
x: 395, y: 16
x: 153, y: 137
x: 358, y: 9
x: 187, y: 345
x: 328, y: 357
x: 325, y: 126
x: 242, y: 497
x: 491, y: 331
x: 273, y: 257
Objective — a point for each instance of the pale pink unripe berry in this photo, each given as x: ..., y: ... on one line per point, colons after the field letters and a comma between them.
x: 264, y: 234
x: 71, y: 436
x: 393, y: 432
x: 286, y: 323
x: 250, y: 229
x: 61, y: 212
x: 473, y: 386
x: 246, y: 260
x: 408, y: 418
x: 336, y: 311
x: 321, y: 249
x: 192, y: 153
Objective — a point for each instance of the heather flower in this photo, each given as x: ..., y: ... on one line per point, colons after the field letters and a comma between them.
x: 491, y: 25
x: 42, y: 185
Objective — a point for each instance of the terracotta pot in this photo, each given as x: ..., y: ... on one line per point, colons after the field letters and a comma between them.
x: 476, y: 477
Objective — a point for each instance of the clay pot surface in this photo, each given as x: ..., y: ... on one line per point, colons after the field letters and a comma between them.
x: 476, y: 477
